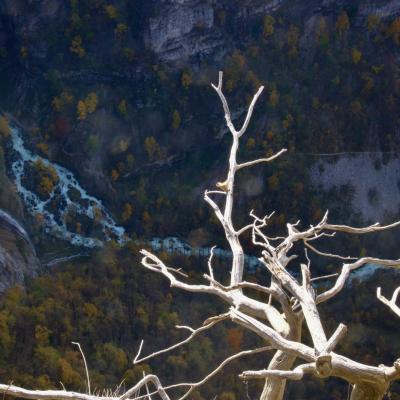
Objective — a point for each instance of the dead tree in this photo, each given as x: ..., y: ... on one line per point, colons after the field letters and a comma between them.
x: 277, y: 322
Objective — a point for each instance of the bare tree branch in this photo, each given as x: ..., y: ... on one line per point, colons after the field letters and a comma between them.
x: 271, y: 336
x: 260, y: 160
x: 225, y: 106
x: 321, y: 253
x: 86, y: 367
x: 209, y: 323
x: 377, y: 227
x: 390, y: 303
x: 143, y: 382
x: 15, y: 391
x: 195, y: 385
x: 294, y: 375
x: 319, y: 278
x: 345, y: 272
x: 336, y: 337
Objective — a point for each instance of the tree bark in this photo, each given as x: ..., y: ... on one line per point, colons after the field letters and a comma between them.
x: 274, y: 388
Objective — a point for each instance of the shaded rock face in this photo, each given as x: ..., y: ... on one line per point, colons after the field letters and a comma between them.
x: 182, y: 29
x: 372, y: 186
x: 18, y: 260
x: 381, y: 8
x: 22, y: 20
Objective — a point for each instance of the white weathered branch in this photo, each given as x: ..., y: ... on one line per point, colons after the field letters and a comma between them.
x: 241, y: 285
x: 210, y: 268
x: 144, y: 382
x: 337, y: 336
x: 330, y: 255
x: 16, y: 391
x: 377, y: 227
x: 209, y: 323
x: 222, y: 365
x: 85, y: 364
x: 250, y: 111
x: 194, y: 385
x: 294, y: 375
x: 233, y: 297
x: 153, y: 263
x: 345, y: 272
x: 390, y: 303
x: 225, y: 106
x: 271, y: 336
x: 319, y: 278
x: 260, y: 160
x: 214, y: 206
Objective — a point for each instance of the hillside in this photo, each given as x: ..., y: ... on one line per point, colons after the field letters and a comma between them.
x: 110, y: 134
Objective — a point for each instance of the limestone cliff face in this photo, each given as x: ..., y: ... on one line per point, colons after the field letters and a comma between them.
x: 18, y: 260
x: 181, y: 29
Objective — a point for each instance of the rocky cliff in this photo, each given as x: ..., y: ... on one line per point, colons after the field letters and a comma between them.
x: 184, y: 29
x: 18, y: 260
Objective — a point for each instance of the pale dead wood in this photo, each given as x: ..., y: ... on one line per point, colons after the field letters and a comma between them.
x: 295, y: 375
x: 154, y: 380
x: 15, y: 391
x: 193, y: 385
x: 86, y: 367
x: 345, y: 273
x: 390, y: 303
x: 234, y: 297
x: 209, y: 323
x: 260, y: 160
x: 337, y: 336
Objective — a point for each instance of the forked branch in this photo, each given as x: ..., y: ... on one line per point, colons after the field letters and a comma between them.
x: 390, y: 303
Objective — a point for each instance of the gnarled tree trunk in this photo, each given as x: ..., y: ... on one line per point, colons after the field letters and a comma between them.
x: 274, y: 388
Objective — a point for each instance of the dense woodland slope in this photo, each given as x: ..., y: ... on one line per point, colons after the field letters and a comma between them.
x: 118, y: 92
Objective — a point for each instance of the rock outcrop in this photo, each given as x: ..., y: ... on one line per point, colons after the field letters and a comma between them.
x: 21, y: 22
x: 18, y: 260
x: 182, y: 29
